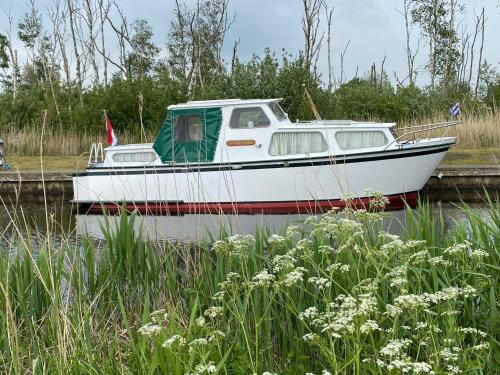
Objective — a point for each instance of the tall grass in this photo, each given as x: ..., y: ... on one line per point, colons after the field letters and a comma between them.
x: 476, y: 132
x: 61, y: 143
x: 336, y: 294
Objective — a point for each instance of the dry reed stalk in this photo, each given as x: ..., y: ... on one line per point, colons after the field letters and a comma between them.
x: 477, y: 131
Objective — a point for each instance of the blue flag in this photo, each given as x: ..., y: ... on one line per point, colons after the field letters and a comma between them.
x: 455, y: 109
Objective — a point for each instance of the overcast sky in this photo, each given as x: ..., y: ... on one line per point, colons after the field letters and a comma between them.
x: 373, y: 27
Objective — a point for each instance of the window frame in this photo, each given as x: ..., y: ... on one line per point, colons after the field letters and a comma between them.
x: 260, y: 108
x: 360, y: 131
x: 324, y: 139
x: 116, y: 154
x: 282, y: 114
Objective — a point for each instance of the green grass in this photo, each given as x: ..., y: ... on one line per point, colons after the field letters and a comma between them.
x: 335, y: 294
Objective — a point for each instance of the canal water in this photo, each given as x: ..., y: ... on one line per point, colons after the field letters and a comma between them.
x: 63, y: 220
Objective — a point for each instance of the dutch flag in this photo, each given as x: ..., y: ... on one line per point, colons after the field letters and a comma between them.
x: 455, y: 110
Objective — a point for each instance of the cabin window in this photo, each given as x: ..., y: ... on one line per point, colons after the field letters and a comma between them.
x: 248, y: 118
x: 134, y: 157
x: 189, y: 128
x: 292, y: 143
x: 277, y: 110
x: 350, y: 140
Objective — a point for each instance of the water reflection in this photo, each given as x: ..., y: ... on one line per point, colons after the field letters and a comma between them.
x: 65, y: 223
x: 213, y: 227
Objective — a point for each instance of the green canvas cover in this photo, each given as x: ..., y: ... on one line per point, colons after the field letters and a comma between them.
x: 171, y: 150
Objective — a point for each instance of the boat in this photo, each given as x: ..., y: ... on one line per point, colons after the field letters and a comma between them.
x: 239, y: 156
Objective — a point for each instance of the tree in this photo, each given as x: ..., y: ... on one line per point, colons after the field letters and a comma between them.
x: 4, y: 57
x: 310, y: 28
x: 441, y: 36
x: 141, y: 59
x: 195, y: 43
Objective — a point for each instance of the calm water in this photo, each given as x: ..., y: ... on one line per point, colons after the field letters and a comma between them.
x: 64, y: 222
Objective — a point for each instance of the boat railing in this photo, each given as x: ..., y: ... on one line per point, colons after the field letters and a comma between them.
x: 415, y: 129
x: 96, y: 154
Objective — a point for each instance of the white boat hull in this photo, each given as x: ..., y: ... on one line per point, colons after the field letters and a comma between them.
x: 278, y: 186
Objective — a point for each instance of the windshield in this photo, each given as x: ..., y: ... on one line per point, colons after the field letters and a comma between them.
x: 278, y: 112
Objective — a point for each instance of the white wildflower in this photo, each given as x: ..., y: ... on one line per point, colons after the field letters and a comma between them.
x: 449, y: 355
x: 213, y: 311
x: 205, y: 368
x: 320, y: 282
x: 216, y: 335
x: 439, y: 260
x: 200, y: 321
x: 410, y: 301
x: 473, y: 331
x: 458, y: 248
x: 176, y: 339
x: 421, y: 368
x: 453, y: 369
x: 276, y: 239
x: 150, y: 329
x: 479, y: 254
x: 310, y: 337
x: 292, y: 231
x: 219, y: 296
x: 294, y: 276
x: 309, y: 313
x: 483, y: 346
x: 395, y: 347
x: 369, y: 326
x: 345, y: 268
x: 263, y: 278
x: 283, y: 263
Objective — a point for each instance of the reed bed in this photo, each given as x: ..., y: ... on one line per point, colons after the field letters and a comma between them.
x: 332, y: 296
x: 477, y: 131
x: 27, y: 141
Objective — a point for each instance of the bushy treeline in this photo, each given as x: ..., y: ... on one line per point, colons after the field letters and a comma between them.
x: 267, y: 77
x: 70, y: 72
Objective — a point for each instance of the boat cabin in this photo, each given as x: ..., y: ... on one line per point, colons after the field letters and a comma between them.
x: 235, y: 130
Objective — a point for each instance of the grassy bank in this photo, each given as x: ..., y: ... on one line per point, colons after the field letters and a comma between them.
x: 482, y: 156
x: 338, y: 295
x: 476, y: 132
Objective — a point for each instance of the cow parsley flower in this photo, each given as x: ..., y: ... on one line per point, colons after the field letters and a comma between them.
x: 283, y: 263
x: 294, y: 276
x: 176, y: 339
x: 205, y: 368
x: 395, y: 347
x: 150, y: 329
x: 263, y: 278
x: 200, y: 321
x: 276, y: 239
x: 369, y: 326
x: 320, y: 282
x: 213, y: 311
x: 310, y: 337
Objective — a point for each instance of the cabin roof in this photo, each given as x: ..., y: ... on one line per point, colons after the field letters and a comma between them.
x: 221, y: 103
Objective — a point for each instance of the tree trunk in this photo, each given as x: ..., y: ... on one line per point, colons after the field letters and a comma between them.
x: 480, y: 54
x: 72, y: 12
x: 329, y: 14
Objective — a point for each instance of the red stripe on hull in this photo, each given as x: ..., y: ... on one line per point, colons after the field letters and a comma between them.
x: 396, y: 202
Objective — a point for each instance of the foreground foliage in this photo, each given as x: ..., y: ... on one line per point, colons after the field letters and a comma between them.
x: 336, y: 294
